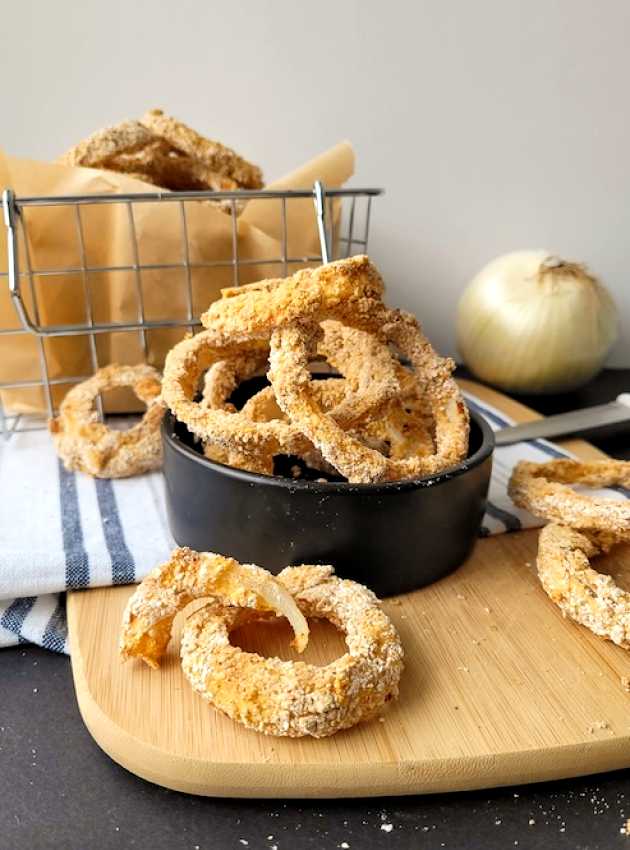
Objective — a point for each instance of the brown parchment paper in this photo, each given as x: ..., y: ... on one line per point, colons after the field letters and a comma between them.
x: 117, y: 290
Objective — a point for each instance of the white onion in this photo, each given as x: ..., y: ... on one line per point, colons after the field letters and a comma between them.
x: 530, y: 322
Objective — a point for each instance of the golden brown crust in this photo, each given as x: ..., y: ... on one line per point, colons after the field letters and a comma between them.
x: 189, y: 575
x: 589, y: 597
x: 213, y: 155
x: 348, y: 290
x: 329, y: 288
x: 295, y: 699
x: 421, y: 439
x: 544, y: 489
x: 87, y: 445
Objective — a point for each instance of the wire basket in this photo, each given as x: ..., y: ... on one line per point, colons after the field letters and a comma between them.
x: 343, y: 224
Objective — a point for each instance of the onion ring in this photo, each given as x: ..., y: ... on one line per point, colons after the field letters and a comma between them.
x: 230, y: 436
x: 543, y: 489
x: 589, y: 597
x: 290, y: 379
x: 295, y: 699
x: 371, y: 373
x: 185, y: 364
x: 371, y: 379
x: 188, y: 575
x: 347, y: 290
x: 87, y: 445
x: 404, y: 428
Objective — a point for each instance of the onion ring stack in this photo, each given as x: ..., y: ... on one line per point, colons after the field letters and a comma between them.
x: 382, y: 422
x: 580, y: 527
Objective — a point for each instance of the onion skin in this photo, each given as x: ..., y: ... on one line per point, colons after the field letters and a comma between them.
x: 531, y: 323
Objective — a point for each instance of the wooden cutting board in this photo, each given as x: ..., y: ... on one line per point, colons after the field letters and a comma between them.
x: 498, y: 689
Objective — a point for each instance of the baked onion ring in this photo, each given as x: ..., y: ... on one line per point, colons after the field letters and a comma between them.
x: 184, y: 367
x: 371, y: 374
x: 296, y: 699
x: 403, y: 429
x: 293, y: 388
x: 231, y: 437
x: 543, y: 489
x: 582, y: 593
x: 189, y: 575
x: 87, y: 445
x: 347, y: 290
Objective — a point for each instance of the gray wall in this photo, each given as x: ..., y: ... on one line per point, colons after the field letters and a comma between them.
x: 493, y: 125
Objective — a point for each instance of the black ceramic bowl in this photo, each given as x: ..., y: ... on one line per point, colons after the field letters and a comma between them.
x: 393, y: 537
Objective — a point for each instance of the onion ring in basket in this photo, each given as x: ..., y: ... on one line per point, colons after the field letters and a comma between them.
x: 590, y: 598
x: 188, y: 575
x: 290, y: 379
x: 85, y: 444
x: 293, y: 698
x: 543, y: 489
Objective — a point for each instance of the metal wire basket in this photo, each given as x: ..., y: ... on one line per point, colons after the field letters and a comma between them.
x: 343, y: 224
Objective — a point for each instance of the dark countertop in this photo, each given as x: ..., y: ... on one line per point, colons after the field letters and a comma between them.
x: 59, y: 790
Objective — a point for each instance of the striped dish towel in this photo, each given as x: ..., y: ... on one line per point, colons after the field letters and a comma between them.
x: 61, y: 530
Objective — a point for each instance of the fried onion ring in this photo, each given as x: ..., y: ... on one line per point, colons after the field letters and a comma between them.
x: 347, y: 290
x: 543, y: 489
x: 188, y: 575
x: 230, y: 431
x: 213, y: 155
x: 290, y: 379
x: 583, y: 594
x: 87, y: 445
x: 230, y: 436
x: 296, y: 699
x: 404, y: 429
x: 371, y: 374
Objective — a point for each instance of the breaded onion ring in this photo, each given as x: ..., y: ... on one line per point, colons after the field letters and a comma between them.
x: 185, y: 364
x: 85, y: 444
x: 230, y: 436
x: 188, y: 575
x: 290, y: 379
x: 347, y: 290
x: 293, y: 698
x: 403, y: 429
x: 371, y: 373
x: 590, y: 598
x: 213, y: 155
x: 543, y: 489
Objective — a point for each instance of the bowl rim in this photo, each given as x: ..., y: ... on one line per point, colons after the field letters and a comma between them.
x: 484, y: 451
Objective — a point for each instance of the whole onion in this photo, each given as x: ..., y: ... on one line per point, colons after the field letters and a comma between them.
x: 531, y: 322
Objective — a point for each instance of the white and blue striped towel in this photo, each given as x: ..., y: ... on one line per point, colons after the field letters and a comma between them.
x: 61, y: 530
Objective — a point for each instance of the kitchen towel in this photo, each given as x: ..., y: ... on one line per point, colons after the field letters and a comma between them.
x: 63, y: 530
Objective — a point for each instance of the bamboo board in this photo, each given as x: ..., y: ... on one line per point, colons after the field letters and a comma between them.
x: 498, y: 689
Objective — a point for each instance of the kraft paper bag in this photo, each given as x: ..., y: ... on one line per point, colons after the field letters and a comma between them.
x: 79, y: 265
